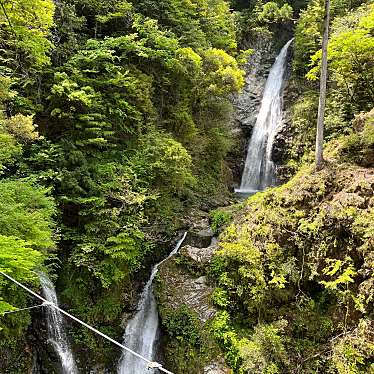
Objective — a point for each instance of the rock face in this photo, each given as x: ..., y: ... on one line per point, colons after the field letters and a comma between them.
x: 284, y: 137
x: 200, y: 238
x: 201, y: 256
x: 216, y: 368
x: 247, y: 105
x: 200, y: 234
x: 182, y: 284
x: 284, y: 132
x: 185, y: 285
x: 185, y: 290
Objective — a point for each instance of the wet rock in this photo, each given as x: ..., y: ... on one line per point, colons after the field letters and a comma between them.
x: 184, y: 289
x: 216, y: 368
x: 200, y: 234
x: 201, y: 256
x: 201, y: 238
x: 247, y: 103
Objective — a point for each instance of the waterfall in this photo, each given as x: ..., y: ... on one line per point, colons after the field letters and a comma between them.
x: 142, y: 330
x: 56, y: 332
x: 259, y: 167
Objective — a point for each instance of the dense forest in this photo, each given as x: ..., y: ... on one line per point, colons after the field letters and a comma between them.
x: 118, y: 132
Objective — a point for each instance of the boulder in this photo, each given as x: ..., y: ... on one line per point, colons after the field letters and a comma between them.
x: 216, y: 368
x: 201, y: 256
x: 201, y: 238
x: 183, y: 289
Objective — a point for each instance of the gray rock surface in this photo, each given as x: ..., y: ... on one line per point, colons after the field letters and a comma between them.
x: 200, y: 234
x: 183, y: 289
x: 201, y: 256
x: 216, y: 368
x: 247, y: 103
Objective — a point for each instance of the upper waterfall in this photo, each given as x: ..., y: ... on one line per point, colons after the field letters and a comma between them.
x: 142, y: 330
x: 259, y: 167
x: 56, y: 331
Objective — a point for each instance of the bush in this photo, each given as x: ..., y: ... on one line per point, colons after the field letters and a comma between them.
x: 218, y: 219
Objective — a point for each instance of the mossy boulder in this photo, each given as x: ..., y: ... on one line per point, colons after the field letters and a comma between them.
x: 184, y: 294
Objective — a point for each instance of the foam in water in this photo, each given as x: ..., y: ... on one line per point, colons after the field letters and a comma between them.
x: 259, y: 167
x: 56, y: 332
x: 142, y: 330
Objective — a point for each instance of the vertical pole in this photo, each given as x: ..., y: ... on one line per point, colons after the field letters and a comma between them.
x: 323, y: 88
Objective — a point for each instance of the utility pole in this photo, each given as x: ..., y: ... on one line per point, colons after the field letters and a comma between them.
x: 323, y: 88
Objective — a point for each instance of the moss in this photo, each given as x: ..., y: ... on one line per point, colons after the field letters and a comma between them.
x: 187, y: 342
x: 16, y: 357
x: 189, y: 346
x: 219, y: 218
x: 301, y: 253
x: 358, y: 147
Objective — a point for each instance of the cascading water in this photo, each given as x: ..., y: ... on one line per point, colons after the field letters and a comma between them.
x: 56, y: 331
x: 142, y: 330
x: 259, y: 167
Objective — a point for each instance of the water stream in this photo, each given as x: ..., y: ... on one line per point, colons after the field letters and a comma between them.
x: 56, y: 331
x: 142, y: 330
x: 259, y: 171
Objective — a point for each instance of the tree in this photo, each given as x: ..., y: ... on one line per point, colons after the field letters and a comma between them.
x: 351, y: 59
x: 24, y: 30
x: 323, y: 87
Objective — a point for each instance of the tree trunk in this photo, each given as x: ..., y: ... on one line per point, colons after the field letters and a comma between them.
x: 323, y: 87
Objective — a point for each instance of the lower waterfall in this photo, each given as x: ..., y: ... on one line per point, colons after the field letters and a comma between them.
x: 56, y: 331
x: 142, y: 330
x: 259, y: 167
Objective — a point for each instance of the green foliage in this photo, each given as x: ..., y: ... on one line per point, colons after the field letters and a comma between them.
x: 26, y: 212
x: 353, y: 351
x: 21, y: 128
x: 26, y: 225
x: 25, y: 236
x: 218, y: 219
x: 198, y: 23
x: 350, y: 66
x: 9, y: 150
x: 188, y: 345
x: 222, y: 75
x: 350, y: 55
x: 163, y: 163
x: 343, y: 272
x: 24, y: 29
x: 309, y: 27
x: 308, y: 35
x: 295, y: 253
x: 69, y: 28
x: 182, y: 324
x: 134, y: 118
x: 266, y: 351
x: 304, y: 117
x: 219, y: 298
x: 17, y: 259
x: 262, y: 19
x: 26, y: 231
x: 358, y: 147
x: 271, y: 12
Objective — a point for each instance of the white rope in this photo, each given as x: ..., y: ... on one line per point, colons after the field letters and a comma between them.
x: 151, y: 364
x: 21, y: 309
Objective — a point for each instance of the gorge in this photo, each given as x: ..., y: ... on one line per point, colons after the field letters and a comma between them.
x: 124, y: 124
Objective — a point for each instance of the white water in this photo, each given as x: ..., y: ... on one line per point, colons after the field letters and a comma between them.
x: 142, y: 330
x: 259, y: 167
x: 56, y: 332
